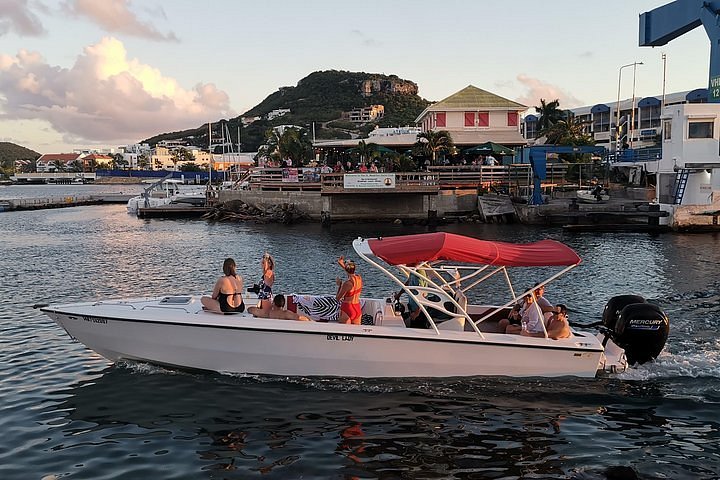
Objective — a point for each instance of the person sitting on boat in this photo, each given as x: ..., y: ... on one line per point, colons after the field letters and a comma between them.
x: 264, y: 290
x: 531, y: 323
x: 542, y: 302
x: 413, y: 311
x: 513, y: 318
x: 227, y: 293
x: 349, y: 294
x: 277, y: 311
x: 559, y: 327
x: 597, y: 192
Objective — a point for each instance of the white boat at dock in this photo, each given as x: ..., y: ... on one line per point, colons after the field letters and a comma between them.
x: 165, y: 192
x: 593, y: 196
x: 175, y: 331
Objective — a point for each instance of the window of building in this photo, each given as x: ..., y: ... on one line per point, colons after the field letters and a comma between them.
x: 469, y: 119
x: 700, y: 130
x: 667, y: 130
x: 440, y: 119
x: 483, y: 119
x: 512, y: 119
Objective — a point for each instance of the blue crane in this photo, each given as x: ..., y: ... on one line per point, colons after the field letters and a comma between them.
x: 668, y: 22
x: 536, y: 156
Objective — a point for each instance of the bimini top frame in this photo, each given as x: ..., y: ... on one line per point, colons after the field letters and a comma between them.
x: 440, y: 284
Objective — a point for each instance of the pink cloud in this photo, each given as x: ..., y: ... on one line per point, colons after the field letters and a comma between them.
x: 16, y: 16
x: 116, y: 16
x: 104, y: 96
x: 537, y: 89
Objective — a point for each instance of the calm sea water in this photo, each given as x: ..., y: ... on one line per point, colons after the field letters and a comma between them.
x: 68, y: 413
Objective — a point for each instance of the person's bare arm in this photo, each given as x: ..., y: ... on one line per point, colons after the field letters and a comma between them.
x: 344, y: 287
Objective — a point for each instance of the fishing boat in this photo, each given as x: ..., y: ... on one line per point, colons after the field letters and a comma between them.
x: 462, y: 338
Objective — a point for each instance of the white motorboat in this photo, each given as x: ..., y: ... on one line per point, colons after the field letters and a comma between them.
x: 165, y: 192
x: 175, y: 331
x: 593, y: 196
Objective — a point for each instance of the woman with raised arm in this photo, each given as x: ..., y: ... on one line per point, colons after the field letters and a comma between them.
x: 349, y: 294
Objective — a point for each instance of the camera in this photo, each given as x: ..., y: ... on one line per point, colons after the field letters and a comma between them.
x: 254, y: 289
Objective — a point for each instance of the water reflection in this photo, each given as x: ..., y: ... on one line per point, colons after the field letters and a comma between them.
x: 495, y: 428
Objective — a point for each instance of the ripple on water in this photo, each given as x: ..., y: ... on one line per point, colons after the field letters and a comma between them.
x: 67, y: 412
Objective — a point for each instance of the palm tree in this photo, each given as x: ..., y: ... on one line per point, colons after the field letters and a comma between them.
x: 366, y: 150
x: 181, y: 155
x: 142, y: 161
x: 59, y: 165
x: 569, y: 131
x: 76, y: 166
x: 550, y: 114
x: 433, y: 142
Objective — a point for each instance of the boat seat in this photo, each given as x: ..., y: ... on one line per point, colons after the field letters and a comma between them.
x: 456, y: 324
x: 461, y: 299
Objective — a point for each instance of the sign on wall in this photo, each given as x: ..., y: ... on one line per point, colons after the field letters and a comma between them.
x: 714, y: 90
x: 369, y: 180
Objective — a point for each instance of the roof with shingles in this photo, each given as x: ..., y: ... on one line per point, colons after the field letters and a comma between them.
x: 473, y: 99
x: 63, y: 157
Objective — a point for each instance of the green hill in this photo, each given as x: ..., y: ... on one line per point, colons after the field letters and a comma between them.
x: 321, y: 97
x: 9, y: 152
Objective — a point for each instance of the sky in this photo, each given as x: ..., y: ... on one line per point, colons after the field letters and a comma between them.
x: 105, y: 73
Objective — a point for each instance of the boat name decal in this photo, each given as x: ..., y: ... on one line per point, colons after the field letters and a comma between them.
x: 95, y: 319
x: 341, y: 338
x: 646, y: 323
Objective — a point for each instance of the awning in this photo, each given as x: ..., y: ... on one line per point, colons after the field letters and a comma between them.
x: 427, y: 247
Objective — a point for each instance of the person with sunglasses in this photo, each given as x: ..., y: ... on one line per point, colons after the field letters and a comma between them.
x: 558, y: 326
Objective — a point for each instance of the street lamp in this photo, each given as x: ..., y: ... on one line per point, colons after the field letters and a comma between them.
x: 617, y: 107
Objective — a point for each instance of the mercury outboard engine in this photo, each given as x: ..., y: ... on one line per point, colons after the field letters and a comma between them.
x: 638, y: 327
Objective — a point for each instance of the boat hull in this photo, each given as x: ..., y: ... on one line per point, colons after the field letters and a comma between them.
x: 244, y: 344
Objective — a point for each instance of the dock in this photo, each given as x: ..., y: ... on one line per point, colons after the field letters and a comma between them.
x: 19, y: 204
x: 173, y: 211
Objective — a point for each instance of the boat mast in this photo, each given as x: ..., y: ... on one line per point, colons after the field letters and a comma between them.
x: 211, y: 152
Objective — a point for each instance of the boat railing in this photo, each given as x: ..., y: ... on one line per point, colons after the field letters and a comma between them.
x: 115, y: 304
x: 168, y: 307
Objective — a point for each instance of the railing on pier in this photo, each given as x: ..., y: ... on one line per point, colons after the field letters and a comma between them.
x: 437, y: 178
x: 636, y: 155
x: 415, y: 182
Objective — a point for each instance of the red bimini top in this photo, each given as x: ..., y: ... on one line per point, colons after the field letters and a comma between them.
x: 427, y: 247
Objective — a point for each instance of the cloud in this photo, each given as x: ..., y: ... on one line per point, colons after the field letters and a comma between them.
x: 116, y: 16
x: 104, y: 96
x: 365, y: 40
x: 537, y: 89
x: 16, y: 16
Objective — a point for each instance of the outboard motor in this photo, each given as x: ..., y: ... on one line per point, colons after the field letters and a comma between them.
x: 638, y: 327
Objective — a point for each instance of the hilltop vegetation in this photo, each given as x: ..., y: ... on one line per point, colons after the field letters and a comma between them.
x: 9, y: 152
x: 321, y: 97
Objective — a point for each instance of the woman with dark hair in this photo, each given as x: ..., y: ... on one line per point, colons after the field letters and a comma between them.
x: 227, y: 293
x: 349, y: 294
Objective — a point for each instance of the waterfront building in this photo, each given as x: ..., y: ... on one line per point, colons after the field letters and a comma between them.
x: 644, y: 130
x: 99, y: 161
x: 473, y: 116
x: 161, y: 157
x: 52, y: 162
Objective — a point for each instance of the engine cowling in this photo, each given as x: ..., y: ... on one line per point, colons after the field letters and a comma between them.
x: 641, y: 330
x: 614, y: 307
